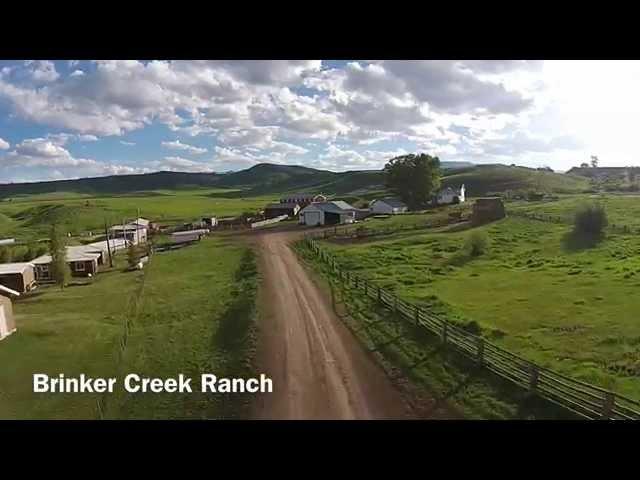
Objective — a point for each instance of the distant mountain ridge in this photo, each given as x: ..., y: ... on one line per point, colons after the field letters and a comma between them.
x: 266, y: 178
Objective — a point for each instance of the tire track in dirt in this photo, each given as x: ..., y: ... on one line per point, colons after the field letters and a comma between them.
x: 319, y: 369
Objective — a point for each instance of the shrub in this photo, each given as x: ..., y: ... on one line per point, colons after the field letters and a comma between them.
x: 477, y: 243
x: 590, y: 219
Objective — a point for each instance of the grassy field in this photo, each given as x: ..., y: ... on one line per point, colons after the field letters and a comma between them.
x: 192, y: 313
x: 30, y: 217
x: 536, y: 292
x: 621, y: 209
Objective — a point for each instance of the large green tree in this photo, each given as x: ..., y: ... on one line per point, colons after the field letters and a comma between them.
x: 60, y: 271
x: 413, y: 178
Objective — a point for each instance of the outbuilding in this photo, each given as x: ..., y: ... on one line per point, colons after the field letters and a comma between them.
x: 210, y: 222
x: 131, y: 232
x: 274, y: 210
x: 20, y: 277
x: 81, y: 263
x: 388, y: 206
x: 327, y: 213
x: 7, y: 322
x: 188, y: 236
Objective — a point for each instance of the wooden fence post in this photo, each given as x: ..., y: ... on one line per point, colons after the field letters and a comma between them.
x: 533, y: 378
x: 607, y: 407
x: 417, y: 315
x: 365, y: 287
x: 379, y: 295
x: 395, y: 303
x: 480, y: 351
x: 445, y: 326
x: 355, y: 280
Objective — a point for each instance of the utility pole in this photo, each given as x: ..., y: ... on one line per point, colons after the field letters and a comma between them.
x: 137, y: 229
x: 108, y: 244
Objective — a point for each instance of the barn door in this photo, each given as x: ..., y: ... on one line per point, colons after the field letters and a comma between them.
x: 4, y: 327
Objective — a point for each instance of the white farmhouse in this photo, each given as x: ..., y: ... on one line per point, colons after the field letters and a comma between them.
x: 450, y: 195
x: 387, y: 206
x: 327, y: 213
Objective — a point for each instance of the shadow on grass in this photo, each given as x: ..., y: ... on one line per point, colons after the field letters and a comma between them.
x: 233, y: 341
x: 576, y: 241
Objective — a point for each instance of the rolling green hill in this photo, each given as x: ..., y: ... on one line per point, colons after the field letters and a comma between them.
x: 487, y: 179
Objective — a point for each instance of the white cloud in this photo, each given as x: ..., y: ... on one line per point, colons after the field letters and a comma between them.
x: 42, y: 71
x: 4, y: 145
x: 179, y: 164
x: 46, y: 158
x: 128, y: 144
x: 76, y: 73
x: 178, y: 145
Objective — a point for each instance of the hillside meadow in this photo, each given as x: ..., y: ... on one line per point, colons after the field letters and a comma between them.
x: 199, y: 321
x: 568, y: 306
x: 31, y: 217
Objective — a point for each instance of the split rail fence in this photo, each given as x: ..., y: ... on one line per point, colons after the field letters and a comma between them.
x: 585, y: 400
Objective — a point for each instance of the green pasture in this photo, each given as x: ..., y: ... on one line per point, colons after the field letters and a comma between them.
x: 538, y: 291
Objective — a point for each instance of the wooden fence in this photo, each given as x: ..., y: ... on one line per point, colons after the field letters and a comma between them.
x: 580, y: 398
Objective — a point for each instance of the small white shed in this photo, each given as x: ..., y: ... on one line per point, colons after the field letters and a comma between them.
x: 388, y: 206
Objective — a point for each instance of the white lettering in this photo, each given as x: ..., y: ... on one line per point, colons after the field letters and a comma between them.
x: 127, y: 383
x: 208, y: 383
x: 40, y: 383
x: 213, y: 384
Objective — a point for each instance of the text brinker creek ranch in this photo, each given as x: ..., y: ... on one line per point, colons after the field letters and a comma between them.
x: 133, y: 383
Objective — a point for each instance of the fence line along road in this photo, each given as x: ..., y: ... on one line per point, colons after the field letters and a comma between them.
x: 580, y: 398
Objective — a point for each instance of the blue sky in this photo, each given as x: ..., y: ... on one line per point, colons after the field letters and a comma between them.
x: 70, y: 119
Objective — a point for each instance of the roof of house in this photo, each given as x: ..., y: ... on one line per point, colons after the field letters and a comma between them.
x: 9, y: 290
x: 451, y: 189
x: 282, y: 205
x: 14, y: 267
x: 73, y: 255
x: 393, y: 202
x: 337, y: 206
x: 141, y: 221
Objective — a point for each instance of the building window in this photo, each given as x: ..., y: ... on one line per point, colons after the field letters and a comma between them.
x: 44, y: 271
x: 79, y: 266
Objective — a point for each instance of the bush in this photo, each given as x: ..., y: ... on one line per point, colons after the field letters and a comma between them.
x: 590, y: 219
x: 477, y: 243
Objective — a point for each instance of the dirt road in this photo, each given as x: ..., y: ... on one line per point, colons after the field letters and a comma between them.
x: 319, y: 369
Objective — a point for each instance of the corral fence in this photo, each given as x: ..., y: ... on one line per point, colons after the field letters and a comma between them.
x: 269, y: 221
x: 585, y: 400
x: 568, y: 220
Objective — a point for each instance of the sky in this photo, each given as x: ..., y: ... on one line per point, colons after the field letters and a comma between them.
x: 72, y: 119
